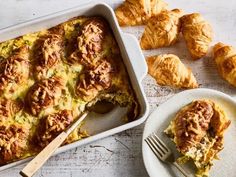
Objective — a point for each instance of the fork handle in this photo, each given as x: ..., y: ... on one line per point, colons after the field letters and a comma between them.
x: 43, y: 156
x: 181, y: 169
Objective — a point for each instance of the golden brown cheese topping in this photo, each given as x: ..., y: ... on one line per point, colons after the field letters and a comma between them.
x: 8, y: 108
x: 13, y: 140
x: 191, y: 124
x: 14, y: 70
x: 44, y: 94
x: 90, y: 42
x: 52, y: 125
x: 93, y: 81
x: 48, y: 54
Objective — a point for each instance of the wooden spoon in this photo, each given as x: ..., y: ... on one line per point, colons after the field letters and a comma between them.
x: 37, y: 162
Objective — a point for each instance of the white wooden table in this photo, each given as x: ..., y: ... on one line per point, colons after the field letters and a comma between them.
x: 120, y: 155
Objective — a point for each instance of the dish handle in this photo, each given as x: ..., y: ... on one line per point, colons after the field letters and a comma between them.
x: 135, y: 54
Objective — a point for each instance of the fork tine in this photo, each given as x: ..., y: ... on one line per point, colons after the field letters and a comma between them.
x: 161, y: 142
x: 158, y: 145
x: 162, y: 152
x: 157, y: 153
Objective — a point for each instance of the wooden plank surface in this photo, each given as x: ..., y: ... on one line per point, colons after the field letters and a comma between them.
x: 120, y: 155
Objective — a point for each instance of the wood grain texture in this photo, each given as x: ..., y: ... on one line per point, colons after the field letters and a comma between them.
x: 120, y: 155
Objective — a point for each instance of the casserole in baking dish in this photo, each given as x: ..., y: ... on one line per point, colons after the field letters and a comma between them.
x: 48, y: 77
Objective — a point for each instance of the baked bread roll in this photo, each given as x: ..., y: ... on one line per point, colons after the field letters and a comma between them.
x: 13, y: 141
x: 48, y: 53
x: 93, y: 81
x: 197, y: 33
x: 89, y: 42
x: 161, y: 30
x: 52, y: 125
x: 168, y: 70
x: 137, y: 12
x: 45, y: 94
x: 225, y: 58
x: 14, y: 71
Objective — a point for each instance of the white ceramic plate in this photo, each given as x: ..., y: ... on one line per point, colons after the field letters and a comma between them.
x: 160, y: 119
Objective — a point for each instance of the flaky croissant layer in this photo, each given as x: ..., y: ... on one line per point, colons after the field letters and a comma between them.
x: 168, y: 70
x: 162, y: 30
x: 137, y: 12
x: 225, y: 58
x: 197, y: 33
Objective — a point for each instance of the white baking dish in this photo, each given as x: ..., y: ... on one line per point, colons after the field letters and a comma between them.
x: 132, y: 57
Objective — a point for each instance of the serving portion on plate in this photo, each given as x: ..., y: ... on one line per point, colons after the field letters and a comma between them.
x: 48, y: 78
x: 198, y: 132
x: 199, y: 127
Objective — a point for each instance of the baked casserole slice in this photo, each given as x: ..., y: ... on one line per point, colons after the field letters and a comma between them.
x: 48, y: 78
x: 198, y: 132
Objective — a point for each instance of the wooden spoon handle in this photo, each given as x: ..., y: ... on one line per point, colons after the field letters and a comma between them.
x: 44, y: 155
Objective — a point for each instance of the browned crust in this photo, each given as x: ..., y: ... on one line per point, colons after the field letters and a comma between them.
x: 48, y: 53
x: 13, y: 141
x: 15, y: 69
x: 8, y: 108
x: 44, y: 94
x: 52, y: 125
x: 89, y: 42
x: 95, y: 80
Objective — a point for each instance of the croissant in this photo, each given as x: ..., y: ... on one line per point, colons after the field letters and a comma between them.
x: 157, y: 6
x: 225, y: 58
x: 168, y: 70
x: 14, y: 71
x: 44, y: 94
x: 137, y: 12
x: 48, y: 54
x: 161, y: 30
x: 197, y: 33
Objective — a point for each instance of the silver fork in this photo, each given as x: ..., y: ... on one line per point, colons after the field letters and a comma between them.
x: 163, y: 152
